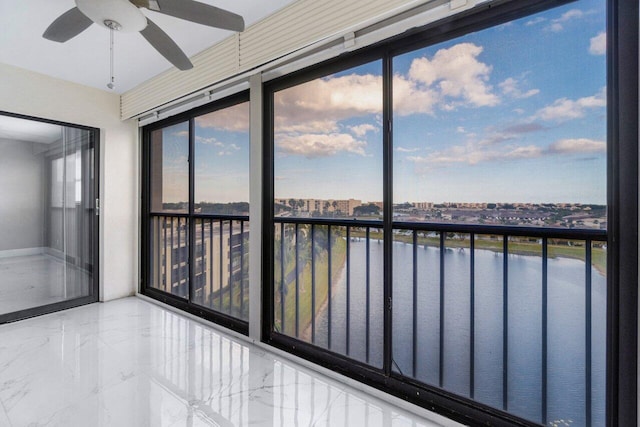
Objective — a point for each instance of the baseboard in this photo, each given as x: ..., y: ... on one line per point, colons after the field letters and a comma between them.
x: 12, y: 253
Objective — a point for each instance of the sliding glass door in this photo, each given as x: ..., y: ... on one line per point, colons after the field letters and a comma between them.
x: 48, y: 220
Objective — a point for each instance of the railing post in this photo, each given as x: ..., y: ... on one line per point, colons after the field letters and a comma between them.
x: 545, y: 257
x: 472, y: 310
x: 329, y: 285
x: 587, y: 310
x: 441, y: 337
x: 505, y: 322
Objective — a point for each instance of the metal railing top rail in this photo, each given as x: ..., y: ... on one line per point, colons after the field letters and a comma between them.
x: 200, y: 215
x: 506, y: 230
x: 501, y: 230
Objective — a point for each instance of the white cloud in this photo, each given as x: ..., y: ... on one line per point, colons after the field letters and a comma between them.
x: 209, y: 141
x: 577, y: 145
x: 234, y: 147
x: 314, y: 126
x: 598, y: 44
x: 361, y: 130
x: 234, y: 119
x: 458, y: 75
x: 509, y: 133
x: 411, y: 98
x: 474, y: 153
x: 564, y: 109
x: 452, y: 78
x: 460, y: 129
x: 510, y: 87
x: 406, y: 150
x: 314, y: 146
x: 318, y: 105
x: 557, y: 24
x: 535, y: 21
x: 181, y: 133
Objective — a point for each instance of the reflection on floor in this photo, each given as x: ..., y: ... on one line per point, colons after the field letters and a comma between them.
x: 132, y: 363
x: 35, y: 280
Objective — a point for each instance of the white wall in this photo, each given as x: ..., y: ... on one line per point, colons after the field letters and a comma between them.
x: 37, y: 95
x: 21, y: 204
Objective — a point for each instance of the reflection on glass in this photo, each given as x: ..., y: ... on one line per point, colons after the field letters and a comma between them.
x: 328, y: 146
x: 488, y: 319
x: 221, y: 181
x: 170, y: 255
x: 524, y: 331
x: 169, y: 169
x: 46, y: 205
x: 344, y: 317
x: 488, y: 130
x: 221, y: 266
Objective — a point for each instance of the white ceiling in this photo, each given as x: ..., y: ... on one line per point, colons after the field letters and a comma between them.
x: 14, y: 128
x: 85, y: 58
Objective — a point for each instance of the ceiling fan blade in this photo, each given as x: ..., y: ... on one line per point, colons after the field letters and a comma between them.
x: 68, y: 25
x: 165, y: 46
x: 201, y: 13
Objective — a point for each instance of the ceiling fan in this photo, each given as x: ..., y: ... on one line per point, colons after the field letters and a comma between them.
x: 126, y: 16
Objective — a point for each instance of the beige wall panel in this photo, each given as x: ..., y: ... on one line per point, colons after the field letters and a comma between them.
x: 209, y: 66
x: 291, y: 28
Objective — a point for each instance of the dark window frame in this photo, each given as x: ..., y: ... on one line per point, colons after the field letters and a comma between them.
x: 622, y: 205
x: 94, y: 288
x: 184, y: 304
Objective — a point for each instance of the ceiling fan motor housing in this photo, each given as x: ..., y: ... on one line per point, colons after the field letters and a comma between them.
x: 109, y: 12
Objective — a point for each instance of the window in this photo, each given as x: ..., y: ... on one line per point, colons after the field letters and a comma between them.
x: 489, y: 131
x: 198, y: 218
x: 328, y: 169
x: 439, y: 214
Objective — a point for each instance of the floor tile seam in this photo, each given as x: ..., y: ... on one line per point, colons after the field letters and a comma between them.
x: 318, y: 418
x: 6, y: 414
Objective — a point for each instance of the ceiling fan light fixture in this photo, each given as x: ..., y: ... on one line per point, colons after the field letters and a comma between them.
x: 112, y: 25
x: 128, y: 16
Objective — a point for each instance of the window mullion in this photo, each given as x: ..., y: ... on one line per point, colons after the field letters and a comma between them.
x: 387, y: 144
x: 191, y: 225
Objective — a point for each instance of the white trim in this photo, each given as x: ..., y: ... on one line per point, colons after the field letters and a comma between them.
x: 189, y: 102
x: 255, y: 209
x: 11, y: 253
x: 363, y: 34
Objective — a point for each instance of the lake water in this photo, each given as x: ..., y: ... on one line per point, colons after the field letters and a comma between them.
x: 566, y: 330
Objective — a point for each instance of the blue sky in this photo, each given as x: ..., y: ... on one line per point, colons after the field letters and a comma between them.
x: 515, y: 113
x: 221, y: 157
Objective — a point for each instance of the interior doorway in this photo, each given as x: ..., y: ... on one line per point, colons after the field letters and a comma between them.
x: 48, y: 216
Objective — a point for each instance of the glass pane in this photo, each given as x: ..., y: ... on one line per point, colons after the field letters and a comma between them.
x: 328, y: 146
x: 170, y: 255
x: 46, y: 205
x: 222, y: 161
x: 598, y: 331
x: 566, y: 325
x: 169, y: 167
x: 221, y: 266
x: 524, y: 330
x: 488, y: 129
x: 457, y: 313
x: 488, y: 319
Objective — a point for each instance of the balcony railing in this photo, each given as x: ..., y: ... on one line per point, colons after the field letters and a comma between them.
x: 217, y: 276
x: 511, y: 317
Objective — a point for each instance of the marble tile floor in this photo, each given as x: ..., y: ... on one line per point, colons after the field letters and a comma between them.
x: 36, y: 280
x: 129, y: 362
